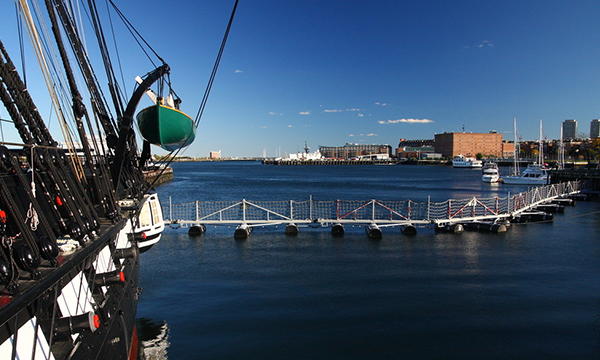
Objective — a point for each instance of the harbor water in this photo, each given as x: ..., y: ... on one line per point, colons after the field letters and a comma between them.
x: 530, y: 293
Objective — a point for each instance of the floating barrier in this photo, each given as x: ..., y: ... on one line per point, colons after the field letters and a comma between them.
x: 409, y: 229
x: 532, y: 216
x: 337, y: 229
x: 563, y: 202
x: 242, y: 231
x: 291, y: 229
x: 449, y: 228
x: 551, y: 208
x: 485, y: 226
x: 453, y: 215
x: 197, y: 230
x: 373, y: 231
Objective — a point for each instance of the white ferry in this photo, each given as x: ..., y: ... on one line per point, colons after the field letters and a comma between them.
x: 461, y: 161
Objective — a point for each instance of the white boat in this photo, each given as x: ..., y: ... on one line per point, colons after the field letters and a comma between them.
x: 490, y: 172
x: 461, y: 161
x: 535, y: 174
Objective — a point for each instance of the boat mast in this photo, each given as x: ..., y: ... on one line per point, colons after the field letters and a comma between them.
x: 516, y: 146
x: 541, y: 146
x: 561, y: 152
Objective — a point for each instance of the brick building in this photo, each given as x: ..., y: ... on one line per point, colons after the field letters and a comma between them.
x: 469, y: 144
x: 350, y: 151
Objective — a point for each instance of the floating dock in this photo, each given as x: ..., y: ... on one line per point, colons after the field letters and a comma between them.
x: 454, y: 215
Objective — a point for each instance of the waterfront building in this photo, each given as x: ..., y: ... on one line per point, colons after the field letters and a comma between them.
x: 569, y: 129
x: 349, y: 150
x: 215, y: 154
x: 508, y: 149
x: 419, y: 152
x: 450, y: 144
x: 595, y: 129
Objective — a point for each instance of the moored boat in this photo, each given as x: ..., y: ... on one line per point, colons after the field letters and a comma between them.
x: 461, y: 161
x: 537, y: 173
x: 534, y: 174
x: 490, y: 172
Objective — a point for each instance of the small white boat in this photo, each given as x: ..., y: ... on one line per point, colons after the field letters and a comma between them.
x: 150, y: 224
x: 490, y: 172
x: 461, y: 161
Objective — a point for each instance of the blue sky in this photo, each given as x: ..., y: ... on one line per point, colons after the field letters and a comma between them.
x: 332, y: 72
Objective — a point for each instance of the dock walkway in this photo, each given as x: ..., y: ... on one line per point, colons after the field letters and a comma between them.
x: 482, y: 213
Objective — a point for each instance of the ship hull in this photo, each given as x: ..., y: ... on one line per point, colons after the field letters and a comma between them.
x: 166, y: 127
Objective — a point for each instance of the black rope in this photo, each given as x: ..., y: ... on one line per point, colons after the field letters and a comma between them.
x: 134, y: 32
x: 215, y: 67
x: 22, y: 48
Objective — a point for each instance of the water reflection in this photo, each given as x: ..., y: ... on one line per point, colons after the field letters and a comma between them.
x: 154, y: 338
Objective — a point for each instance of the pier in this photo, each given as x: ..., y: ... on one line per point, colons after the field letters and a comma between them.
x: 492, y: 214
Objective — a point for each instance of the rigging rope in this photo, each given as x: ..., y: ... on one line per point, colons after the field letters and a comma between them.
x: 214, y: 71
x: 137, y: 36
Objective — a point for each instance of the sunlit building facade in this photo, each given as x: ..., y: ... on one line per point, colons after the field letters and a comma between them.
x: 450, y: 144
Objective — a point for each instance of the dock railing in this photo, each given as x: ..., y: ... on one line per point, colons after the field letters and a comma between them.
x: 382, y: 212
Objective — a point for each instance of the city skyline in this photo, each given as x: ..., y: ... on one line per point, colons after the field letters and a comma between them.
x: 331, y: 73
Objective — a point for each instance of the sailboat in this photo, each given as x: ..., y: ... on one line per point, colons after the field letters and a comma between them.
x: 535, y: 174
x: 75, y: 216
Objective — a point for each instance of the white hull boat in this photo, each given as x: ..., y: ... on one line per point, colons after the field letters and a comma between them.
x: 461, y: 161
x: 490, y: 173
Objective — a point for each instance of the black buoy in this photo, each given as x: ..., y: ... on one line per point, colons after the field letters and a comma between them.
x: 291, y: 229
x: 242, y: 231
x: 197, y: 230
x: 373, y: 231
x: 409, y: 229
x: 337, y: 229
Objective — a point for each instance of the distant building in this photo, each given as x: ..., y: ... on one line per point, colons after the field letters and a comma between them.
x: 416, y: 143
x: 595, y: 129
x: 469, y: 144
x: 409, y: 152
x: 350, y: 151
x: 215, y: 154
x: 569, y: 129
x: 508, y: 149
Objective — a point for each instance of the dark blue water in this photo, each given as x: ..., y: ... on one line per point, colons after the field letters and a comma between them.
x: 530, y: 293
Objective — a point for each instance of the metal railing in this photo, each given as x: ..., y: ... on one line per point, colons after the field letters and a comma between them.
x: 366, y: 211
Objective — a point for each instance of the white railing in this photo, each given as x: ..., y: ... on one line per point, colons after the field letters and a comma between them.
x: 352, y: 211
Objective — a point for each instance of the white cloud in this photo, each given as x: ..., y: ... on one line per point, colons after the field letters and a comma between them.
x: 332, y: 111
x: 351, y: 135
x: 304, y: 112
x: 352, y: 109
x: 409, y: 121
x: 380, y: 104
x: 238, y: 71
x: 290, y: 126
x: 372, y: 134
x: 274, y: 113
x: 361, y: 115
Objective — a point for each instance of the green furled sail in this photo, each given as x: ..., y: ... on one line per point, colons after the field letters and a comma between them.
x: 166, y: 127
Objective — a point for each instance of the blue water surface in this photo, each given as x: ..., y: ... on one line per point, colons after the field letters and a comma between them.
x: 530, y: 293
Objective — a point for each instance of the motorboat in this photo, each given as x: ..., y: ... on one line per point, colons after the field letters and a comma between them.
x: 534, y: 174
x: 490, y: 172
x: 461, y: 161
